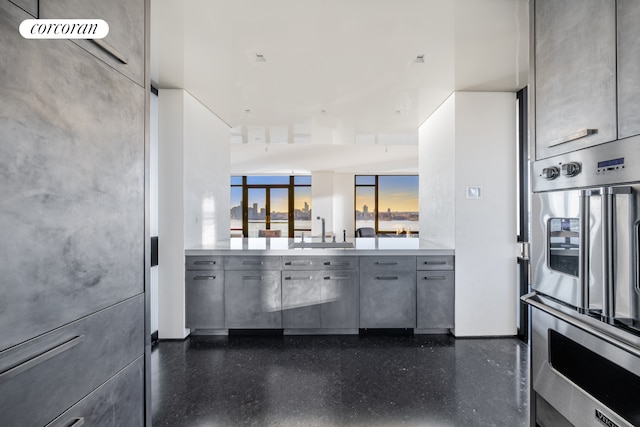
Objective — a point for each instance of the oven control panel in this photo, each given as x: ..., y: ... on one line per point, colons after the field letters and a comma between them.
x: 610, y: 166
x: 613, y: 163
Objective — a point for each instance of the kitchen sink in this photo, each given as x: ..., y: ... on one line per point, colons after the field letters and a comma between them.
x: 320, y: 245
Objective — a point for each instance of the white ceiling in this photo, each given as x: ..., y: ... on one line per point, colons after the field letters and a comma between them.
x: 354, y: 59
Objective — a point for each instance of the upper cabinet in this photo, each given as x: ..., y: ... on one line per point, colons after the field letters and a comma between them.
x: 575, y: 74
x: 123, y: 47
x: 628, y: 68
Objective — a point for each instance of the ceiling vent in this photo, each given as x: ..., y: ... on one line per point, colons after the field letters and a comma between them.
x: 419, y: 59
x: 260, y: 58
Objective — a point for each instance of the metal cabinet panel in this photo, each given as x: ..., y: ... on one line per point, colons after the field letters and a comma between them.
x: 208, y: 262
x: 628, y: 68
x: 575, y: 74
x: 301, y: 299
x: 435, y: 299
x: 118, y: 402
x: 435, y: 262
x: 320, y: 262
x: 253, y: 262
x: 72, y: 170
x: 320, y: 299
x: 30, y: 6
x: 387, y: 292
x: 123, y: 47
x: 387, y: 263
x: 204, y: 299
x: 253, y: 299
x: 339, y: 291
x: 43, y: 377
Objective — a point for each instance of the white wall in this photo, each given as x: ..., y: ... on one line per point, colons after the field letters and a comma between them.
x: 436, y: 153
x: 481, y: 128
x: 343, y: 204
x: 193, y: 165
x: 321, y: 201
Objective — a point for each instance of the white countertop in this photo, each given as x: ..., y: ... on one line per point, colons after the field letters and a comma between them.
x: 362, y: 246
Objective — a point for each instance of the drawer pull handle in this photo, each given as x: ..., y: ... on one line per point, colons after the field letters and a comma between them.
x: 204, y: 263
x: 252, y: 262
x: 40, y: 358
x: 298, y: 263
x: 63, y: 422
x: 297, y: 278
x: 387, y: 262
x: 435, y: 262
x: 572, y: 137
x: 336, y: 278
x: 251, y: 277
x: 110, y: 50
x: 387, y: 277
x: 204, y: 278
x: 435, y: 278
x: 336, y: 263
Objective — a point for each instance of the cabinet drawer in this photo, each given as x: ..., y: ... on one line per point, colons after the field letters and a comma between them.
x: 252, y: 299
x: 387, y: 263
x: 320, y: 263
x: 435, y: 262
x: 123, y: 46
x: 435, y: 299
x: 388, y: 299
x: 56, y: 370
x: 204, y: 299
x: 204, y: 263
x: 253, y: 263
x: 118, y: 402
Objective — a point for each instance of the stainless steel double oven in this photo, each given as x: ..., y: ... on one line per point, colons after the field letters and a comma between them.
x: 585, y: 261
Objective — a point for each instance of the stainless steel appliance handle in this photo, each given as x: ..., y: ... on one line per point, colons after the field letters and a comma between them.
x: 42, y: 357
x: 608, y: 292
x: 572, y: 137
x: 583, y: 250
x: 530, y: 299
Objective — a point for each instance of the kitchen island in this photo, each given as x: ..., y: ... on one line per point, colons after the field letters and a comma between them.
x: 270, y: 284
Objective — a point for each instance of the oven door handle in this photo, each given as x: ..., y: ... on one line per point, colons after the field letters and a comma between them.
x: 532, y: 300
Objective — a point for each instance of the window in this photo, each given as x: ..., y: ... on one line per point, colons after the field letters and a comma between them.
x: 388, y: 203
x: 270, y: 203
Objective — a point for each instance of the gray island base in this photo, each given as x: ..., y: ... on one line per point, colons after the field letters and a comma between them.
x: 267, y: 284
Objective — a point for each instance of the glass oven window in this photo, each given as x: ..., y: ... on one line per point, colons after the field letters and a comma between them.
x: 563, y: 244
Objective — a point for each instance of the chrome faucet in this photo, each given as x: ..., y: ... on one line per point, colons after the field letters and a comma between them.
x: 323, y: 230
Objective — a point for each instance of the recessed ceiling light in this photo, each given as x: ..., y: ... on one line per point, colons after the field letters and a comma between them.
x: 260, y: 58
x: 419, y: 59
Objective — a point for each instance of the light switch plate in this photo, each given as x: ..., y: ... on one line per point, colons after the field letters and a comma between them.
x: 474, y: 192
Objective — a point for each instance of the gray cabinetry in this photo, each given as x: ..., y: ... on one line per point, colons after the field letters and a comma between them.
x: 575, y: 75
x: 253, y: 263
x: 30, y: 6
x: 41, y: 378
x: 117, y: 402
x: 204, y: 289
x: 388, y: 292
x: 322, y: 298
x: 435, y: 300
x: 123, y: 47
x: 252, y: 299
x: 628, y: 68
x: 72, y: 224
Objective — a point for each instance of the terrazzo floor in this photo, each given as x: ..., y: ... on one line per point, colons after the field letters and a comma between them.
x: 421, y: 380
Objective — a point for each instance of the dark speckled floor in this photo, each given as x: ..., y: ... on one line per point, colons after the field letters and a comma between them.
x: 422, y: 380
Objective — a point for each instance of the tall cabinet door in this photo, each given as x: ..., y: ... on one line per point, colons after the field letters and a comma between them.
x: 628, y: 68
x: 72, y: 183
x: 575, y: 75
